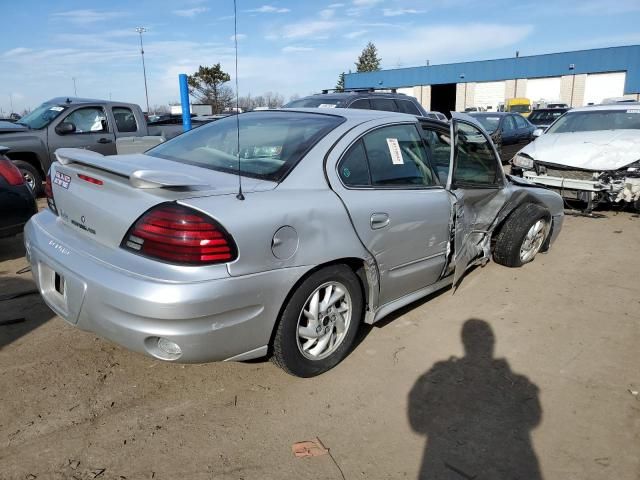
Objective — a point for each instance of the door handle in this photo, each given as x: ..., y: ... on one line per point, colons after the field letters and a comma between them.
x: 105, y: 140
x: 379, y: 220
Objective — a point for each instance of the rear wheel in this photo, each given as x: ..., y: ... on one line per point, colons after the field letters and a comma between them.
x: 522, y: 236
x: 32, y: 176
x: 319, y: 323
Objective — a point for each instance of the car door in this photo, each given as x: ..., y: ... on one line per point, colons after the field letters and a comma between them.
x: 477, y: 182
x: 92, y: 131
x: 397, y: 206
x: 509, y: 138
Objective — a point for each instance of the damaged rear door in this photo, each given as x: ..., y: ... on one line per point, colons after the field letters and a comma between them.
x: 477, y: 183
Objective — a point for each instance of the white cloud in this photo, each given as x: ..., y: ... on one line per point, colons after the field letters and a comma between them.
x: 269, y: 9
x: 294, y: 49
x: 190, y: 12
x: 311, y: 28
x: 240, y: 36
x: 336, y: 5
x: 366, y: 3
x: 355, y: 34
x: 396, y: 12
x: 327, y: 13
x: 14, y: 52
x: 86, y: 16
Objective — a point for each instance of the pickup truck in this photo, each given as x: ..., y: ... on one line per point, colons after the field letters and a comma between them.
x: 75, y: 122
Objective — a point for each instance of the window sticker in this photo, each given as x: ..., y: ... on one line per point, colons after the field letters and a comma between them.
x: 394, y: 151
x: 326, y: 105
x: 634, y: 110
x: 56, y: 109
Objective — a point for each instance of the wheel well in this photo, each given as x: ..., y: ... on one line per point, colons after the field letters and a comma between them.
x: 28, y: 157
x: 507, y: 217
x: 355, y: 264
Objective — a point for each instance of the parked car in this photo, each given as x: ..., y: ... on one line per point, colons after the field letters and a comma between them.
x: 437, y: 116
x: 509, y: 131
x: 362, y: 99
x: 17, y: 203
x: 591, y: 154
x: 343, y: 217
x: 543, y: 117
x: 74, y: 122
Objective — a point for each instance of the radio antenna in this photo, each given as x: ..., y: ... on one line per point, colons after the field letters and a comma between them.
x: 240, y: 195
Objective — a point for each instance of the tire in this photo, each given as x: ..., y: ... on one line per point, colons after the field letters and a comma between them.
x: 511, y: 238
x: 32, y: 177
x: 303, y: 356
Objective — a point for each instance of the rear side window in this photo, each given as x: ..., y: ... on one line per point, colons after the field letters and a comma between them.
x: 362, y: 103
x: 125, y: 119
x: 520, y: 121
x: 271, y: 143
x: 406, y: 106
x: 353, y: 169
x: 397, y: 157
x: 386, y: 104
x: 509, y: 124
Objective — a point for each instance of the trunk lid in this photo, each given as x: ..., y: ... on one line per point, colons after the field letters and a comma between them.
x: 101, y: 197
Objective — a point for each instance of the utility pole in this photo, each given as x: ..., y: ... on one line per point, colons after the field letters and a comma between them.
x: 75, y: 90
x: 141, y: 30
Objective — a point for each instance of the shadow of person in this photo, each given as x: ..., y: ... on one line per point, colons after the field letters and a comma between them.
x: 477, y: 415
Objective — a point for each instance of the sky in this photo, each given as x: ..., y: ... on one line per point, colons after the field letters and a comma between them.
x: 285, y: 46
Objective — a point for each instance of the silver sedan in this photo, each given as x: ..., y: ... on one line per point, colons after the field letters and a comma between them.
x: 278, y: 232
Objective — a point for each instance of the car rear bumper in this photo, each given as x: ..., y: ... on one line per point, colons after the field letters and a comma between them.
x: 223, y: 319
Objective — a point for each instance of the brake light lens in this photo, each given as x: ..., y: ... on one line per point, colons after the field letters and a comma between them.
x: 10, y: 172
x: 89, y: 179
x: 48, y: 191
x: 177, y: 234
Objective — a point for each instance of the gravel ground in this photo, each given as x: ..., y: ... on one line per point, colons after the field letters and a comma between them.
x: 555, y: 398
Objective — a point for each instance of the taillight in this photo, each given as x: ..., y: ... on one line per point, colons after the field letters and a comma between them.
x: 48, y: 191
x: 10, y: 172
x: 178, y: 234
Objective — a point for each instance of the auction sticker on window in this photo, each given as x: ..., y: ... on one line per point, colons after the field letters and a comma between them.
x: 394, y: 151
x: 326, y: 105
x: 633, y: 110
x: 62, y: 180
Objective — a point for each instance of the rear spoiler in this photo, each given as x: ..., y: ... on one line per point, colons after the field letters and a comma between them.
x: 137, y: 178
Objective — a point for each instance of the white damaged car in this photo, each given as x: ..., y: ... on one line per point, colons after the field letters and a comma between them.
x: 590, y: 154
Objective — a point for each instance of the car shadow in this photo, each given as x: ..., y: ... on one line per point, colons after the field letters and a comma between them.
x: 476, y: 413
x: 11, y: 248
x: 22, y: 309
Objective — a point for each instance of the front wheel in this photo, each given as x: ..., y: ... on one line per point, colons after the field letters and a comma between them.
x: 319, y: 323
x: 31, y: 175
x: 522, y: 235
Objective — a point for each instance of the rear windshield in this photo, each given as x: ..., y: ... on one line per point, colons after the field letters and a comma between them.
x: 489, y: 122
x: 315, y: 102
x: 545, y: 117
x: 271, y: 143
x: 598, y: 120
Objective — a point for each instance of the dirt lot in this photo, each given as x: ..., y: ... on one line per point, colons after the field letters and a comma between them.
x: 557, y: 397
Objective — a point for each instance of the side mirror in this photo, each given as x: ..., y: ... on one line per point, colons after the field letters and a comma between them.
x: 537, y: 132
x: 65, y: 127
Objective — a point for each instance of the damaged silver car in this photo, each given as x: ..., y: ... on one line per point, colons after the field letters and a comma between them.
x: 344, y: 217
x: 590, y: 154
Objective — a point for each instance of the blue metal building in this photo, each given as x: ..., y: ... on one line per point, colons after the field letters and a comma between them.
x: 577, y: 78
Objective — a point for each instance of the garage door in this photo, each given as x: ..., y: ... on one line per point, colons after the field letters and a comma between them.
x: 543, y: 89
x: 489, y: 94
x: 603, y: 85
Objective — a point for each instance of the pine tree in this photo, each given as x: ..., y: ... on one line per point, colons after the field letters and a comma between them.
x: 340, y: 84
x: 368, y: 61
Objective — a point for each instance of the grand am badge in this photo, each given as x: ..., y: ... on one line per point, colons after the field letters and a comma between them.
x: 62, y: 180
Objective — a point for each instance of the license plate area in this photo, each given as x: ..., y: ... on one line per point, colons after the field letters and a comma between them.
x: 58, y: 283
x: 63, y: 292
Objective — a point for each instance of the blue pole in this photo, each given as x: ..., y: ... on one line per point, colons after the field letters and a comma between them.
x: 184, y: 100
